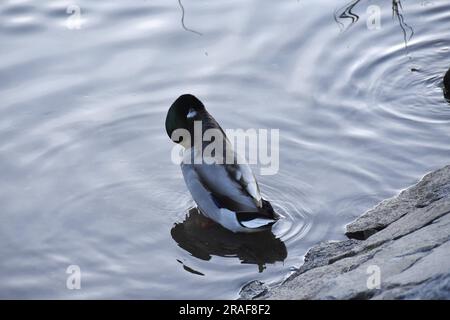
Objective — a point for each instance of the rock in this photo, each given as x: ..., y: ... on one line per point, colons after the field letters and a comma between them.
x: 405, y: 244
x: 323, y: 253
x: 436, y: 288
x: 254, y: 289
x: 431, y: 188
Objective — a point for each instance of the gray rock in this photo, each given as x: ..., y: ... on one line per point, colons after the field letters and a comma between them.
x: 432, y: 187
x: 325, y: 252
x: 436, y: 288
x: 252, y: 290
x: 406, y: 245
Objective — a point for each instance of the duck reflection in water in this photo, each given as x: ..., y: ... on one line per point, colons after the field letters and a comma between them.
x: 204, y: 238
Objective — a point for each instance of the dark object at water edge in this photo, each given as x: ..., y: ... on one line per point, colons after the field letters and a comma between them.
x: 447, y: 84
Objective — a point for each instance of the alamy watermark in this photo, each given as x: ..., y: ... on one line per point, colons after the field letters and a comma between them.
x: 373, y: 21
x: 374, y: 279
x: 253, y: 146
x: 73, y: 281
x: 73, y: 21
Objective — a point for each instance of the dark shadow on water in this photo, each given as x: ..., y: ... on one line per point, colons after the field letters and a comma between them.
x: 204, y: 238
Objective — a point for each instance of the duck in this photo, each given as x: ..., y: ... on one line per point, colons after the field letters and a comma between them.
x: 447, y: 84
x: 224, y: 191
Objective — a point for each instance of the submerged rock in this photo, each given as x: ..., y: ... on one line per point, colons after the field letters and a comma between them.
x: 401, y: 251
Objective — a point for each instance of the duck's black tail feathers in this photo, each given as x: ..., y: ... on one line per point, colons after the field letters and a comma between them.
x: 262, y: 219
x: 267, y: 210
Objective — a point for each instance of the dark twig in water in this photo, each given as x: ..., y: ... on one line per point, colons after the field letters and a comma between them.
x: 182, y: 20
x: 397, y: 11
x: 346, y: 13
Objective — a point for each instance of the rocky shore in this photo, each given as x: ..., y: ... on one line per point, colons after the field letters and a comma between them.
x: 400, y: 249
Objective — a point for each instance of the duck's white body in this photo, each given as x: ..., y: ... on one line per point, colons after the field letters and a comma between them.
x: 223, y: 191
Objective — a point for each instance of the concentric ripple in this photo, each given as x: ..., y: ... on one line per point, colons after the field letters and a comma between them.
x: 86, y: 176
x: 296, y: 219
x: 402, y: 79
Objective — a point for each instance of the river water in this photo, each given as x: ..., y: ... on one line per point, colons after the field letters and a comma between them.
x: 85, y: 171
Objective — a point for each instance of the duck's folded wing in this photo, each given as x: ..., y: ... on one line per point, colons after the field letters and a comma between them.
x: 245, y: 178
x: 231, y: 186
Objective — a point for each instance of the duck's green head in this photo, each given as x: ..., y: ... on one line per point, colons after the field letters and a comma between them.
x: 182, y: 114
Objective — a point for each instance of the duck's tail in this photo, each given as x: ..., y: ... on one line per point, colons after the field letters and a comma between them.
x: 258, y: 223
x: 261, y: 220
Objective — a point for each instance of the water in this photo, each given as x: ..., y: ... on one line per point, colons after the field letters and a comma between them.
x: 85, y: 170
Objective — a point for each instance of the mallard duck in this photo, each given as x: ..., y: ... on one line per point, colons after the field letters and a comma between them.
x: 225, y: 192
x: 447, y: 85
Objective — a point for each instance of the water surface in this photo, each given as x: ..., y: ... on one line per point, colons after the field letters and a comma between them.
x: 85, y: 170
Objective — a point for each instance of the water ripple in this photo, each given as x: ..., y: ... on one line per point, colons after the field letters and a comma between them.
x: 86, y: 175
